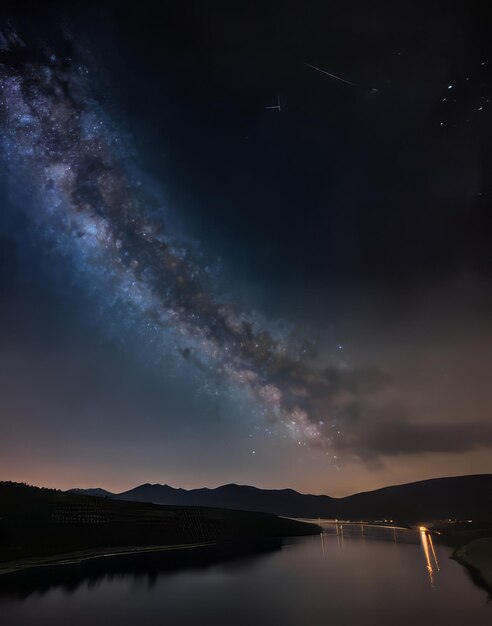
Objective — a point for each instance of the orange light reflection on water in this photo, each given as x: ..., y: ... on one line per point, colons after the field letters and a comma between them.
x: 429, y: 551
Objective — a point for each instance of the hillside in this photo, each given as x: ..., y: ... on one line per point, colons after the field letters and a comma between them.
x: 460, y: 497
x: 38, y: 522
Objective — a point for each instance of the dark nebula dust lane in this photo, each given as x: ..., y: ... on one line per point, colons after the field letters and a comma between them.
x: 58, y: 143
x: 77, y: 181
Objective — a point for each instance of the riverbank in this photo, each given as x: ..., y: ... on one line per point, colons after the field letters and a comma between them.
x: 477, y: 557
x: 79, y: 556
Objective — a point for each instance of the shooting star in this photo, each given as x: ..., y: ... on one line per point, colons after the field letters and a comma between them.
x: 318, y: 69
x: 275, y: 106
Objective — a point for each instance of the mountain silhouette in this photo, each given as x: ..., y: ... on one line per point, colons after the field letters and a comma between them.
x: 458, y: 497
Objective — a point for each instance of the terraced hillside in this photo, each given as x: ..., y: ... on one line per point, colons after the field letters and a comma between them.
x: 38, y: 522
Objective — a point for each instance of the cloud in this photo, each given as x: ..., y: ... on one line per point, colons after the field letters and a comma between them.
x: 378, y: 437
x: 356, y: 415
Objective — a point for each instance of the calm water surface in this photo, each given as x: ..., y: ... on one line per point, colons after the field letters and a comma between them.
x: 379, y: 577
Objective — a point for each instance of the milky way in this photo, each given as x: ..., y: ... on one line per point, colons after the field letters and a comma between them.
x: 106, y: 228
x: 69, y: 159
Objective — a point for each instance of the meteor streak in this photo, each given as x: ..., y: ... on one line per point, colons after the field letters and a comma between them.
x: 318, y: 69
x: 275, y: 106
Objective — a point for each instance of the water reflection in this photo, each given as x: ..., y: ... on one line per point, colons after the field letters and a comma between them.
x: 361, y: 531
x: 429, y: 553
x: 142, y: 568
x: 434, y: 553
x: 376, y: 578
x: 340, y: 537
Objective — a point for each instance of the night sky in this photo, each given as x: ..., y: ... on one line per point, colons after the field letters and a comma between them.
x: 245, y: 242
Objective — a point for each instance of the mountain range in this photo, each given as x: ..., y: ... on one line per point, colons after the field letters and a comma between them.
x: 459, y: 497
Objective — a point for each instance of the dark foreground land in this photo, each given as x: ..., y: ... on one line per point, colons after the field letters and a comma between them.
x: 477, y: 557
x: 45, y: 526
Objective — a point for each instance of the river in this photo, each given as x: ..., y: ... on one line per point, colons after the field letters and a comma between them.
x: 350, y: 575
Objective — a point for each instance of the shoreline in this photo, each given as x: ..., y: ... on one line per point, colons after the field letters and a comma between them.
x: 71, y: 558
x: 476, y: 557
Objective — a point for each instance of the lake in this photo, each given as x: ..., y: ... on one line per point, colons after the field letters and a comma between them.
x: 349, y: 575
